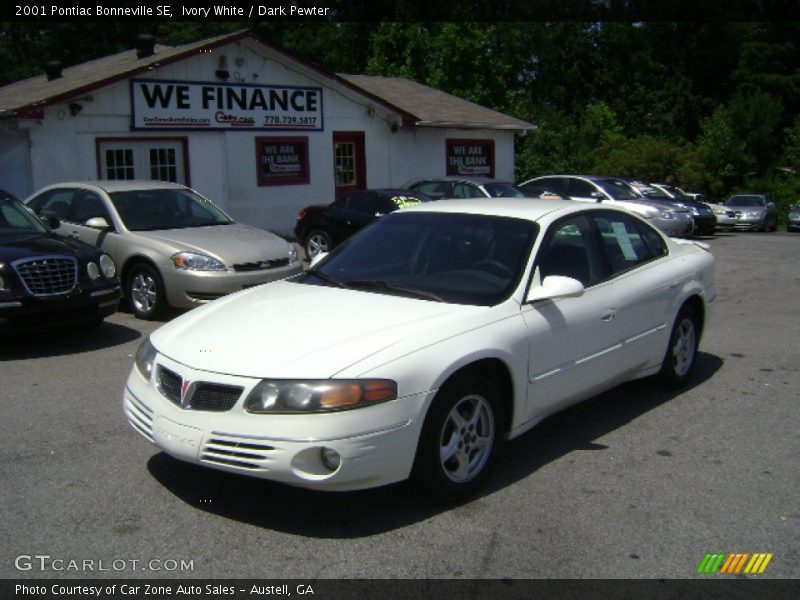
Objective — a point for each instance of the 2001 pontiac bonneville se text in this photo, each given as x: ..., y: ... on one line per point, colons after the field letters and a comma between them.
x: 418, y: 344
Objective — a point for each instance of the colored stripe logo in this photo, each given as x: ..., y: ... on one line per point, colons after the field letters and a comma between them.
x: 734, y: 563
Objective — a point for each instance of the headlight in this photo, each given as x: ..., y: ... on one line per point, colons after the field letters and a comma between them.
x: 145, y: 356
x: 319, y: 395
x: 720, y: 211
x: 196, y: 262
x: 292, y: 253
x: 93, y: 270
x: 754, y: 213
x: 665, y: 213
x: 107, y: 266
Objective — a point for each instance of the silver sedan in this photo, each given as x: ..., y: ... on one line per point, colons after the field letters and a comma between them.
x: 172, y: 246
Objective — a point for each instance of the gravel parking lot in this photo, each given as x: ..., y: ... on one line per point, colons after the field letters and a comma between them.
x: 637, y: 483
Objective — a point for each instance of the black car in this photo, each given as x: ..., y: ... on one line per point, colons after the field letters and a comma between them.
x: 705, y: 223
x: 320, y: 228
x: 48, y: 280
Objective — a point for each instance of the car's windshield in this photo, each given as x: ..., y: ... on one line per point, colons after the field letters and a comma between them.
x: 618, y: 190
x: 745, y: 201
x: 16, y: 220
x: 145, y: 210
x: 503, y: 190
x: 648, y: 191
x: 457, y: 258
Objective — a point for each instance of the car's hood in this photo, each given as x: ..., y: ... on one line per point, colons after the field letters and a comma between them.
x: 640, y: 205
x: 294, y: 330
x: 231, y: 244
x: 14, y: 247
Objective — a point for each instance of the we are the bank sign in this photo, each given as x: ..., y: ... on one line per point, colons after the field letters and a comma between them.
x: 182, y: 105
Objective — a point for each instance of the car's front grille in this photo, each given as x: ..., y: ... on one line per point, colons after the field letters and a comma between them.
x: 48, y: 275
x: 261, y: 265
x: 200, y: 395
x: 214, y: 396
x: 169, y: 384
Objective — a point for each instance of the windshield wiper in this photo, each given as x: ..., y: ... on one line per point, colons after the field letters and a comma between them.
x: 328, y: 279
x: 394, y: 287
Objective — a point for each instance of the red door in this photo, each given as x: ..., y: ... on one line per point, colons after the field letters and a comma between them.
x: 349, y: 162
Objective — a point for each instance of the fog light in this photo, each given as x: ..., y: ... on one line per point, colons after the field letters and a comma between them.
x: 331, y: 459
x: 93, y: 271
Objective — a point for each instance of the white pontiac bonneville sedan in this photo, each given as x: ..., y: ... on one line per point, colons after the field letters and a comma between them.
x: 413, y: 348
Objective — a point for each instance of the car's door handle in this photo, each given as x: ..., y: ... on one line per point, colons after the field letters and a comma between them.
x: 609, y: 316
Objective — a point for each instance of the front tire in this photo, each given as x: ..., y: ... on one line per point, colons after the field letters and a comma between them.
x: 681, y: 356
x: 145, y: 292
x: 459, y: 439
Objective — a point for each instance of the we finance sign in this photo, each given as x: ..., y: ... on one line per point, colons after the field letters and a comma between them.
x: 182, y: 105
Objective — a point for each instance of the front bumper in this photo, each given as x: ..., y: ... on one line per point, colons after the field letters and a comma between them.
x: 704, y: 224
x: 26, y: 314
x: 376, y: 444
x: 187, y: 289
x: 681, y: 225
x: 793, y: 225
x: 744, y: 222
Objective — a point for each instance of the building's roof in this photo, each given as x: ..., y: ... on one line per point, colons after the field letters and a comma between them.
x: 38, y: 91
x: 432, y: 107
x: 417, y: 104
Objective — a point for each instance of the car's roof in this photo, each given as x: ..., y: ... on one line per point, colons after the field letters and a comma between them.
x: 121, y: 185
x: 479, y: 179
x: 531, y: 209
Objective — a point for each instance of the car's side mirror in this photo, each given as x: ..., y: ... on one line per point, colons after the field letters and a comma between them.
x: 317, y: 259
x: 51, y: 221
x: 770, y: 205
x: 598, y: 196
x: 98, y: 223
x: 556, y: 286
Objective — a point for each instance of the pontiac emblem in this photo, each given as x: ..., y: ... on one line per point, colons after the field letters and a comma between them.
x: 185, y: 384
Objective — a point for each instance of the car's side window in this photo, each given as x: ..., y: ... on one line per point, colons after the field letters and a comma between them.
x: 466, y: 190
x: 436, y: 190
x: 580, y: 188
x: 572, y: 250
x: 87, y: 206
x: 623, y: 241
x: 362, y: 202
x: 655, y: 243
x: 555, y: 184
x: 55, y: 203
x: 342, y: 202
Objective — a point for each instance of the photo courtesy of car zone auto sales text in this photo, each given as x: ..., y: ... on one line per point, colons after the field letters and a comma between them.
x: 300, y: 303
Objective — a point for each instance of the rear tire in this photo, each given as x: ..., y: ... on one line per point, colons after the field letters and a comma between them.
x: 679, y: 361
x: 317, y: 242
x: 459, y: 439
